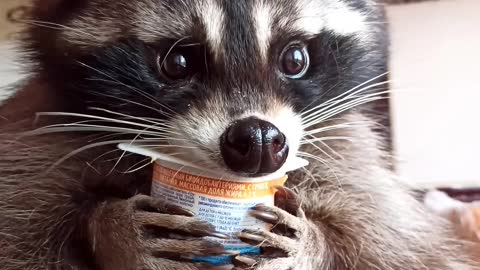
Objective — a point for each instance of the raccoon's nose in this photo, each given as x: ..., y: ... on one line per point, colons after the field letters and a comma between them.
x: 254, y: 146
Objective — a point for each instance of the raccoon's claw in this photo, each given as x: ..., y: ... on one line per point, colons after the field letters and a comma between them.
x: 287, y: 211
x: 147, y: 203
x: 288, y: 200
x: 154, y: 216
x: 244, y: 261
x: 287, y: 229
x: 278, y: 217
x: 186, y: 249
x: 282, y: 245
x: 263, y: 263
x: 176, y: 225
x: 268, y: 239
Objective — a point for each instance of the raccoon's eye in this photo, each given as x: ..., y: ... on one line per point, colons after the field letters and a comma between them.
x: 174, y: 66
x: 294, y: 61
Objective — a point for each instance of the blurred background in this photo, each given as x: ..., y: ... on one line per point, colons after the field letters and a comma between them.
x: 436, y: 99
x: 436, y: 125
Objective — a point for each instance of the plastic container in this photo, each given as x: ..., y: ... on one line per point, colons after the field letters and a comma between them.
x: 221, y: 200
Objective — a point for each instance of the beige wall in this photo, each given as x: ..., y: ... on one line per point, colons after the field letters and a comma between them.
x: 7, y: 28
x: 436, y: 54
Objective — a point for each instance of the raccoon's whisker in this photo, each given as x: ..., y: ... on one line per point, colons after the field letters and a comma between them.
x: 149, y: 162
x: 328, y: 138
x: 306, y: 180
x: 322, y: 151
x: 205, y: 55
x: 316, y: 118
x: 114, y: 159
x: 302, y: 111
x: 104, y: 154
x: 337, y: 110
x: 323, y: 142
x: 315, y: 140
x: 83, y: 148
x: 311, y: 156
x: 333, y: 102
x: 343, y: 108
x: 349, y: 105
x: 148, y: 138
x: 139, y: 133
x: 92, y: 128
x: 143, y: 93
x: 338, y: 126
x: 157, y: 146
x: 102, y: 123
x: 131, y: 168
x: 158, y: 139
x: 125, y: 152
x: 127, y: 101
x: 353, y: 96
x: 189, y: 45
x: 91, y: 123
x: 321, y: 112
x: 51, y: 25
x: 350, y: 91
x: 380, y: 94
x: 112, y: 120
x: 321, y: 160
x: 146, y: 146
x: 156, y: 122
x: 321, y: 120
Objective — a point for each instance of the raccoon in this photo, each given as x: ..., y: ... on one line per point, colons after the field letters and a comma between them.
x: 241, y: 87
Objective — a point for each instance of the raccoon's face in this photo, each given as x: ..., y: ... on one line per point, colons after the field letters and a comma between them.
x: 231, y: 85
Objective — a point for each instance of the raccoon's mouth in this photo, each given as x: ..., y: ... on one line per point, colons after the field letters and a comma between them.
x: 253, y: 147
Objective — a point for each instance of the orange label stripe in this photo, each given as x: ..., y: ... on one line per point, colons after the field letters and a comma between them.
x: 215, y: 187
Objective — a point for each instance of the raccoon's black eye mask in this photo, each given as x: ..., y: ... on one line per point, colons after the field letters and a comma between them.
x: 302, y: 70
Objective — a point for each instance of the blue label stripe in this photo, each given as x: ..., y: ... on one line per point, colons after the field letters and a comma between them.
x: 222, y: 260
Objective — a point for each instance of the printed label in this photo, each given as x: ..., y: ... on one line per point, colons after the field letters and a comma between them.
x: 224, y: 204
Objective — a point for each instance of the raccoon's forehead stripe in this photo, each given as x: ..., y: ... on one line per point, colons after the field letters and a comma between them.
x: 316, y: 16
x: 263, y: 15
x: 213, y: 19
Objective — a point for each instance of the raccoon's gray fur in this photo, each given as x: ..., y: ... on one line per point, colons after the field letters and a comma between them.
x: 345, y: 211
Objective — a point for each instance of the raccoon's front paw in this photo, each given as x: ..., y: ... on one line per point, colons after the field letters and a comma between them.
x: 145, y: 233
x: 290, y: 243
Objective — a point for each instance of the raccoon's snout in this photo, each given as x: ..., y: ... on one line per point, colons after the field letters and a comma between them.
x: 254, y: 147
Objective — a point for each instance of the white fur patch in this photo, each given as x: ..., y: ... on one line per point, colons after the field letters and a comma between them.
x: 336, y: 16
x: 11, y: 70
x: 213, y: 17
x: 262, y: 15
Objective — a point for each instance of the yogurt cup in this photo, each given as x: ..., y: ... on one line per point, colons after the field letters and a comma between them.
x: 223, y: 201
